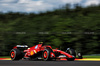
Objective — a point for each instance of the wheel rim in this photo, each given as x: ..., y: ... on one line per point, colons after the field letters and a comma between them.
x: 12, y: 54
x: 45, y: 54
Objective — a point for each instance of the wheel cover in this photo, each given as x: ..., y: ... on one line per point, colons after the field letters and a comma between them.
x: 45, y: 54
x: 12, y: 54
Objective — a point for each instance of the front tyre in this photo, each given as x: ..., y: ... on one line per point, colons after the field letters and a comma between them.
x: 79, y: 55
x: 15, y: 54
x: 71, y: 52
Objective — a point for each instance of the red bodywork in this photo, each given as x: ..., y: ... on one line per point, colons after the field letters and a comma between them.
x: 64, y: 53
x: 37, y: 48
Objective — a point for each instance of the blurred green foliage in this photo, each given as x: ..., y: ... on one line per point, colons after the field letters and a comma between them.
x: 78, y: 28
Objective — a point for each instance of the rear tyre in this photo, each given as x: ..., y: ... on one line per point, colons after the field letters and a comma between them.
x: 46, y: 54
x: 16, y: 54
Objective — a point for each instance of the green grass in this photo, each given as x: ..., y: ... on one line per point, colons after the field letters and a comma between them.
x: 4, y: 56
x: 91, y: 56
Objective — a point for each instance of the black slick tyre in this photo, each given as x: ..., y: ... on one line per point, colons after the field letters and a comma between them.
x: 79, y: 55
x: 71, y: 52
x: 15, y: 54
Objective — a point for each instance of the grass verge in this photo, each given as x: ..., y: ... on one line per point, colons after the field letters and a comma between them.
x: 4, y: 56
x: 91, y: 56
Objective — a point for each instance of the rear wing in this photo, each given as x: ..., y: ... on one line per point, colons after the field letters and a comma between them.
x: 20, y: 46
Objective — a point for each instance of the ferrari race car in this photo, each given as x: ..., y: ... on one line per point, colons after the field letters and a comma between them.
x: 40, y: 52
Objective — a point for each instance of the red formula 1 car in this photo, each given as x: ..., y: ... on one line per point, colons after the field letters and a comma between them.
x: 39, y: 52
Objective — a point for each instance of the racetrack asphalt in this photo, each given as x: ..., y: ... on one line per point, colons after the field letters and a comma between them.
x: 48, y: 63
